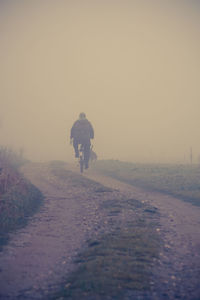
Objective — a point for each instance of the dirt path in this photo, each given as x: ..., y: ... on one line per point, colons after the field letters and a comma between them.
x: 33, y: 263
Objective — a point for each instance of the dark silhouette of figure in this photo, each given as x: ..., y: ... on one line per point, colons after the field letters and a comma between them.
x: 81, y: 133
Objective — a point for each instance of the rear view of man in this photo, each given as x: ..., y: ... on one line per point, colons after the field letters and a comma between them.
x: 81, y: 133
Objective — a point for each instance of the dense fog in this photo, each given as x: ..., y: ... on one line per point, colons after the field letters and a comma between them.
x: 132, y: 66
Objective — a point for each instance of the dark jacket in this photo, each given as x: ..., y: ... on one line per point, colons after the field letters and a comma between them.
x: 82, y: 130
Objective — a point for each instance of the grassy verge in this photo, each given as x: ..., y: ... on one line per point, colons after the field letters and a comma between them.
x: 182, y: 181
x: 16, y: 205
x: 120, y: 260
x: 19, y: 199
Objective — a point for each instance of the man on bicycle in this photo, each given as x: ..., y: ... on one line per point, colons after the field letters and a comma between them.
x: 81, y: 133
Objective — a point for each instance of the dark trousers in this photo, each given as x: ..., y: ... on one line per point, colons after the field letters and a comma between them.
x: 86, y: 145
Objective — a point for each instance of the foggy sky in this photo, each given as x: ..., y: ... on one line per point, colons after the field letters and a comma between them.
x: 132, y: 66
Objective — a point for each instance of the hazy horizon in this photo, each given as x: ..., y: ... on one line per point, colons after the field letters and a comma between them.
x: 132, y: 66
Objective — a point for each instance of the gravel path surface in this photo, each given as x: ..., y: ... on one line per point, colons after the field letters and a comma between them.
x: 35, y: 260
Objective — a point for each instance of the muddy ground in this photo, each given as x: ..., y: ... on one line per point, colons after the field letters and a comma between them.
x: 33, y: 263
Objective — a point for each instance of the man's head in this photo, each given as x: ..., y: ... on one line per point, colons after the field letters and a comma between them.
x: 82, y: 116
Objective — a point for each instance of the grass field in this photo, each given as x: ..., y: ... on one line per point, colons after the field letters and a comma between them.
x: 182, y: 181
